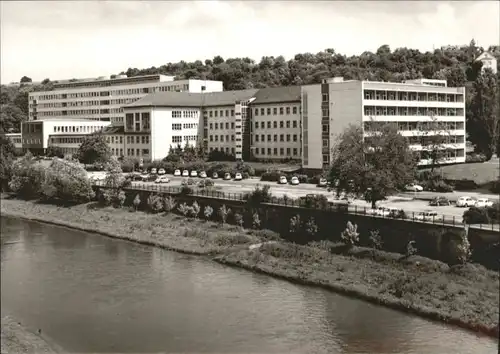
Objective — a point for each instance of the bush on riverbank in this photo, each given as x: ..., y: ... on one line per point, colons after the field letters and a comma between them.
x: 63, y: 181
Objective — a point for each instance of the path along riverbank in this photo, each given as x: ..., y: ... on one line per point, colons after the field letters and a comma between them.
x: 466, y: 296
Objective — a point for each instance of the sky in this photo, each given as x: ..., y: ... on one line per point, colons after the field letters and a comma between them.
x: 82, y: 39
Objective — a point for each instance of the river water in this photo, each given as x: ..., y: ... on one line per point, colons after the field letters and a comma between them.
x: 89, y: 293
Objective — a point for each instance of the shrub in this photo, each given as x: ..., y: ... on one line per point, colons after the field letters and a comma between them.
x: 375, y: 239
x: 238, y: 219
x: 27, y: 178
x: 315, y: 201
x: 245, y: 169
x: 441, y: 187
x: 494, y: 212
x: 120, y: 199
x: 411, y: 249
x: 474, y: 158
x: 184, y: 209
x: 195, y: 209
x: 114, y: 174
x: 295, y: 224
x: 273, y: 176
x: 245, y: 175
x: 168, y: 204
x: 190, y: 181
x: 303, y: 178
x: 462, y: 248
x: 256, y: 221
x: 208, y: 212
x: 224, y: 213
x: 105, y: 197
x: 258, y: 196
x: 311, y: 227
x: 465, y: 184
x: 127, y: 183
x: 476, y: 216
x: 209, y: 183
x: 495, y: 187
x: 350, y: 235
x: 67, y: 181
x: 136, y: 202
x: 155, y: 203
x: 185, y: 190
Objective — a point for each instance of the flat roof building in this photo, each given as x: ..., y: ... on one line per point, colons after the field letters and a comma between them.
x: 285, y: 123
x: 102, y: 99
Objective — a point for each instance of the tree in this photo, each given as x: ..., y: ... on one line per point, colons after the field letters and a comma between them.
x: 54, y: 151
x: 434, y: 136
x: 375, y: 166
x: 483, y: 119
x: 25, y: 79
x: 94, y: 149
x: 7, y: 153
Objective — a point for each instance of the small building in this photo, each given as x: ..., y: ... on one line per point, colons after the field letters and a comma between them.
x: 489, y: 61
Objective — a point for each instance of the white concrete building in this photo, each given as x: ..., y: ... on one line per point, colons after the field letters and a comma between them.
x: 102, y: 99
x: 38, y: 135
x: 330, y: 107
x: 489, y: 61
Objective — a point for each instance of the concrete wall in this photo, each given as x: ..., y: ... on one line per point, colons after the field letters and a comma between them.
x: 311, y: 127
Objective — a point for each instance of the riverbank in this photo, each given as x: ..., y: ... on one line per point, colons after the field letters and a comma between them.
x: 17, y: 339
x: 463, y: 295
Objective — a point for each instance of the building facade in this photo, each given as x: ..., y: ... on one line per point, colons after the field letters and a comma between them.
x: 38, y: 135
x: 102, y: 99
x: 489, y: 61
x: 330, y: 107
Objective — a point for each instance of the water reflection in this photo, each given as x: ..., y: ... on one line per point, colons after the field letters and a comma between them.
x: 94, y: 294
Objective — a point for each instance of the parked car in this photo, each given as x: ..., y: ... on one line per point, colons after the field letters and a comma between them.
x: 381, y: 211
x: 227, y: 176
x: 215, y: 175
x: 153, y: 171
x: 162, y: 179
x: 185, y: 173
x: 238, y: 177
x: 295, y: 181
x: 466, y: 202
x: 203, y: 174
x: 322, y: 182
x: 177, y: 173
x: 194, y: 174
x: 161, y: 171
x: 428, y: 215
x: 282, y: 180
x: 439, y: 201
x: 414, y: 188
x: 483, y: 203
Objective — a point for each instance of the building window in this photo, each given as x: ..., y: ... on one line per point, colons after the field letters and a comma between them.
x: 269, y: 137
x: 275, y: 137
x: 256, y: 138
x: 294, y: 110
x: 232, y: 125
x: 262, y: 111
x: 295, y: 137
x: 256, y: 125
x: 281, y: 111
x: 325, y: 142
x: 145, y: 151
x: 287, y: 110
x: 325, y: 97
x: 288, y: 137
x: 275, y: 111
x: 282, y: 137
x: 216, y: 113
x: 210, y: 114
x: 211, y: 138
x: 295, y: 124
x: 275, y: 124
x: 227, y: 125
x: 294, y: 151
x: 256, y: 111
x: 146, y: 121
x: 129, y: 121
x: 269, y: 111
x: 232, y: 113
x: 176, y: 139
x: 282, y: 124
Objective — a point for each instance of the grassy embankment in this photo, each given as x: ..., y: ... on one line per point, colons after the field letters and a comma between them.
x: 464, y: 295
x: 17, y: 339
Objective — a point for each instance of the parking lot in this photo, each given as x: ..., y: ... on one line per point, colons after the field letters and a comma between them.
x: 405, y: 201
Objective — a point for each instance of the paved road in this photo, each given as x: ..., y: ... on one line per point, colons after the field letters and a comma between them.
x: 404, y: 201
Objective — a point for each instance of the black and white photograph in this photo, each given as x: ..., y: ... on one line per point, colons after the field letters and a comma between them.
x: 310, y: 177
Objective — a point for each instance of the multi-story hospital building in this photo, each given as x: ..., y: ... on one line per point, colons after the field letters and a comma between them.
x: 282, y: 123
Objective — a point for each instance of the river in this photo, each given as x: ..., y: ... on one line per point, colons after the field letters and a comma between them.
x: 89, y: 293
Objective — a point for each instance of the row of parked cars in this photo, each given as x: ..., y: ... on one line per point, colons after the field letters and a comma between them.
x: 462, y: 202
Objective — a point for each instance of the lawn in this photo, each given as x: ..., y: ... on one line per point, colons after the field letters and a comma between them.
x: 481, y: 173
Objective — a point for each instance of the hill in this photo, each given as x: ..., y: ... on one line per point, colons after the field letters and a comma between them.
x: 452, y: 63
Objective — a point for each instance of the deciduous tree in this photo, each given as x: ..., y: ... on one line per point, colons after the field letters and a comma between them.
x: 375, y: 166
x: 94, y: 149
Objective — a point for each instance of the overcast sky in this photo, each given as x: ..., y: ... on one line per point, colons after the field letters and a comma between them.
x: 63, y: 40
